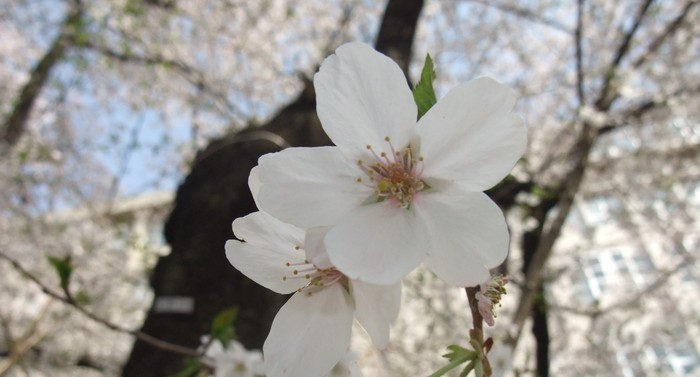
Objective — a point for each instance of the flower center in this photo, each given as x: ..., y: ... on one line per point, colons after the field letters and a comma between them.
x: 315, y: 278
x: 396, y: 176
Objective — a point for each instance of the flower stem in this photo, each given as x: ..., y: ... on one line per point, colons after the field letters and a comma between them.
x: 477, y: 319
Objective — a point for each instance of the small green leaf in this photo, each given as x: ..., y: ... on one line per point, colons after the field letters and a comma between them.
x: 222, y: 326
x: 458, y: 352
x: 423, y: 93
x: 64, y: 269
x: 82, y: 298
x: 457, y: 355
x: 192, y: 368
x: 468, y: 368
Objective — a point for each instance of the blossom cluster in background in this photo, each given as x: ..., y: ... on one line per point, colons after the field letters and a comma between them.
x: 237, y: 361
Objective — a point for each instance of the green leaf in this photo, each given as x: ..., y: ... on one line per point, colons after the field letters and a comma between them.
x: 192, y: 368
x: 222, y: 326
x: 457, y: 355
x: 82, y: 298
x: 423, y: 93
x: 458, y: 352
x: 64, y: 269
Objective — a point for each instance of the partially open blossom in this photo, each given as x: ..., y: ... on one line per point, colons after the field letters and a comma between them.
x: 311, y: 332
x: 395, y: 191
x: 489, y: 296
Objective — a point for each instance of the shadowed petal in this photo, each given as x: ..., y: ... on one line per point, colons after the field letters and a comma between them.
x: 376, y: 308
x: 316, y: 249
x: 270, y: 245
x: 310, y: 334
x: 309, y: 187
x: 377, y: 243
x: 261, y: 229
x: 469, y: 235
x: 265, y: 266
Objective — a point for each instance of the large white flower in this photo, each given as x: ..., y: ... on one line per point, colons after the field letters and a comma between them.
x: 311, y: 332
x: 395, y: 191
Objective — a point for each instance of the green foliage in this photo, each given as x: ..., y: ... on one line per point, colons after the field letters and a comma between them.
x: 193, y: 368
x: 457, y: 356
x: 423, y: 93
x: 64, y: 269
x: 82, y: 298
x: 222, y: 327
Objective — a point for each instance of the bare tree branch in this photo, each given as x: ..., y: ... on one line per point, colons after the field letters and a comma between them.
x: 189, y: 73
x: 18, y: 347
x: 636, y: 112
x: 14, y: 126
x: 565, y: 200
x: 67, y: 299
x: 607, y: 93
x: 523, y: 13
x: 670, y: 29
x: 579, y: 53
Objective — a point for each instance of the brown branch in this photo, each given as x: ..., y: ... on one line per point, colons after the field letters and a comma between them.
x: 566, y: 195
x: 18, y: 347
x: 671, y: 29
x: 605, y: 98
x: 189, y: 73
x: 14, y: 126
x: 477, y: 319
x: 643, y: 108
x: 68, y: 300
x: 527, y: 14
x: 579, y: 53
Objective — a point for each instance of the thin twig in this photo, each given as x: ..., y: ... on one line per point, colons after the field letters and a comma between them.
x: 13, y: 127
x: 68, y: 300
x: 605, y: 98
x: 579, y: 53
x: 477, y: 319
x: 670, y: 29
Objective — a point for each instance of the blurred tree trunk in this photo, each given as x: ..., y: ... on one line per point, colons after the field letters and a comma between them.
x: 211, y: 197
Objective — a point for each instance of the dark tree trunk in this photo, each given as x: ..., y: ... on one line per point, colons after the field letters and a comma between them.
x: 540, y: 328
x: 215, y: 193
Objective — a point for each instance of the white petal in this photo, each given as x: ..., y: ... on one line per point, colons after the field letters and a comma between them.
x: 316, y: 249
x: 254, y: 184
x: 376, y: 308
x: 470, y: 135
x: 377, y: 243
x: 469, y: 235
x: 270, y: 245
x: 265, y: 266
x: 346, y: 367
x: 261, y: 229
x: 309, y: 187
x: 310, y: 334
x: 362, y: 96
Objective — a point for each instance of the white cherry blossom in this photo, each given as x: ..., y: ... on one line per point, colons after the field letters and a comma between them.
x: 311, y: 333
x: 395, y: 191
x: 234, y: 361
